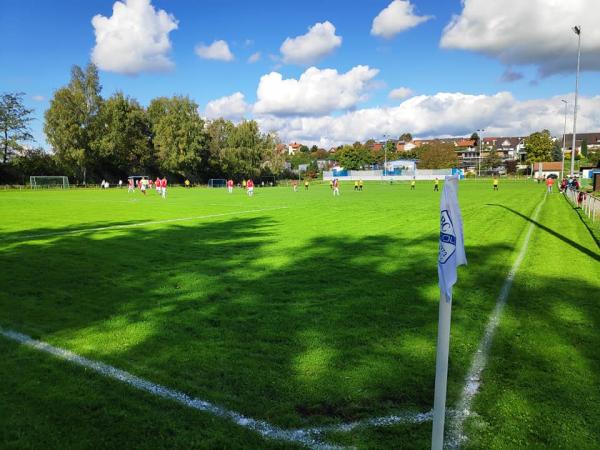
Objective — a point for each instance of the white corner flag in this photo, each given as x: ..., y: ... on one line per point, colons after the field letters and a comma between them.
x: 451, y: 255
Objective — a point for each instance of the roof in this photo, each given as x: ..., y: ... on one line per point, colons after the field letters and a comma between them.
x: 465, y: 143
x: 590, y: 138
x: 549, y: 165
x: 295, y: 145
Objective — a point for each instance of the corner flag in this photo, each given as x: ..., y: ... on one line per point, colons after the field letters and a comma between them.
x: 452, y: 249
x: 451, y: 255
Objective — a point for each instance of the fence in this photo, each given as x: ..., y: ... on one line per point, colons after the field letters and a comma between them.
x: 377, y: 175
x: 589, y: 204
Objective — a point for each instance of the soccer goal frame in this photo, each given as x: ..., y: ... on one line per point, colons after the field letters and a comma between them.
x: 217, y: 183
x: 268, y: 180
x: 48, y: 182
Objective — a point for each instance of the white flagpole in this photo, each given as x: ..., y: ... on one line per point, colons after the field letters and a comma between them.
x: 441, y: 372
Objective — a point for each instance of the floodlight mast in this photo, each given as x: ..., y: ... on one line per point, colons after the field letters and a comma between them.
x: 562, y: 165
x: 577, y: 31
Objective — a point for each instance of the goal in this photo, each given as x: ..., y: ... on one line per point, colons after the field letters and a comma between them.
x: 216, y: 183
x: 39, y: 182
x: 268, y: 181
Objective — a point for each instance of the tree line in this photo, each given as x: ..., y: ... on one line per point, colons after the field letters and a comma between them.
x: 95, y: 138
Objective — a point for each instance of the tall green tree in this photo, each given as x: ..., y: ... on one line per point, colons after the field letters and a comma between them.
x: 539, y: 147
x: 14, y: 123
x: 492, y: 160
x: 71, y: 121
x: 124, y: 143
x: 406, y: 137
x: 353, y: 157
x: 177, y: 134
x: 584, y: 148
x: 556, y: 151
x: 437, y: 155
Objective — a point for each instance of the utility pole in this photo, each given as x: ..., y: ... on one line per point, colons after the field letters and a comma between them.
x: 562, y: 166
x: 577, y: 30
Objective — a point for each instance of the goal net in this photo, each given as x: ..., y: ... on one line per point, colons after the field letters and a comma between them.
x: 267, y: 181
x: 39, y: 182
x: 216, y: 182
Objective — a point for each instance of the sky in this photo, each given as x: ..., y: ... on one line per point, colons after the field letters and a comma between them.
x: 321, y: 72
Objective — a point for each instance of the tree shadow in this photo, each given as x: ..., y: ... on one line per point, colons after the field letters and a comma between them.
x: 336, y: 328
x: 563, y: 238
x: 542, y: 383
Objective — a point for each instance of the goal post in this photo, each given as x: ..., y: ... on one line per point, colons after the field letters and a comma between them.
x: 45, y: 181
x: 217, y: 183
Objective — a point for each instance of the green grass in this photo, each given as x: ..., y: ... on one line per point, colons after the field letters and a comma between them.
x: 319, y: 313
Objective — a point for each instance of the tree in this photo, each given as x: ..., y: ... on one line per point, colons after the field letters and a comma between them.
x: 304, y: 149
x: 437, y: 156
x: 511, y: 167
x: 70, y: 122
x: 556, y: 152
x: 406, y: 137
x: 353, y: 157
x: 14, y: 120
x: 492, y: 160
x: 584, y: 148
x: 178, y: 134
x: 124, y: 143
x: 475, y: 137
x: 390, y: 147
x: 36, y: 162
x: 539, y: 147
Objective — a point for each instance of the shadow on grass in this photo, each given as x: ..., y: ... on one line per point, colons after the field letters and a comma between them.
x: 334, y: 328
x: 556, y: 234
x: 542, y: 384
x: 584, y: 219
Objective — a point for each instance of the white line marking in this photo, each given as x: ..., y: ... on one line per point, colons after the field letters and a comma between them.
x: 139, y: 224
x: 261, y: 427
x: 455, y: 436
x: 385, y: 421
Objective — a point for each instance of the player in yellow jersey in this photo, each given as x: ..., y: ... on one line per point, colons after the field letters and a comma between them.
x: 495, y: 183
x: 412, y: 184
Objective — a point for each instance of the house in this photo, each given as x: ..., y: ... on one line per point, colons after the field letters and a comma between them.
x: 546, y: 169
x: 468, y: 153
x: 592, y: 140
x: 294, y: 148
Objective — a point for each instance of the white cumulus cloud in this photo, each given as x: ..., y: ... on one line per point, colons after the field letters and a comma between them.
x: 398, y: 16
x: 532, y: 32
x: 315, y: 92
x: 218, y: 50
x: 232, y: 107
x: 254, y: 57
x: 400, y: 93
x: 442, y: 114
x: 320, y: 41
x: 134, y: 39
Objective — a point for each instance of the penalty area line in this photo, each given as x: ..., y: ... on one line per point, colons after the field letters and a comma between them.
x: 456, y: 434
x: 139, y: 224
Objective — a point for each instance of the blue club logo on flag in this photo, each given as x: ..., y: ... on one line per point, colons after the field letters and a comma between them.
x: 447, y: 237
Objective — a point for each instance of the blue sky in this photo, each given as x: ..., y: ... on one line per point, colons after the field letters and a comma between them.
x: 43, y: 39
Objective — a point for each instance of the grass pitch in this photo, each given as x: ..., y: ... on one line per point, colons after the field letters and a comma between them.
x: 299, y: 309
